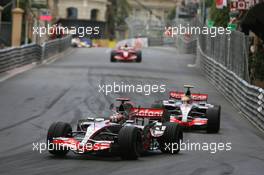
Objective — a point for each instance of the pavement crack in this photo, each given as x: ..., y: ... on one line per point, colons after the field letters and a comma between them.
x: 53, y: 102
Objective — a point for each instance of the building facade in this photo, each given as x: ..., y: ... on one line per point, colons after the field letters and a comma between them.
x: 152, y: 9
x: 79, y: 9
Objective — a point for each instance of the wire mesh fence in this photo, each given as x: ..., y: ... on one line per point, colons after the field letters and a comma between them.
x: 152, y: 29
x: 155, y: 30
x: 224, y: 60
x: 54, y: 47
x: 229, y: 50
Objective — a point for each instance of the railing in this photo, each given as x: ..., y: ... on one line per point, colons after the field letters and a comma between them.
x: 11, y: 58
x: 223, y: 72
x: 224, y: 60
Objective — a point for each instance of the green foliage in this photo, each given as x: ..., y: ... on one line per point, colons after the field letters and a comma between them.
x: 208, y: 3
x: 219, y: 16
x: 7, y: 14
x: 117, y: 12
x: 171, y: 14
x: 257, y: 64
x: 25, y: 3
x: 121, y: 9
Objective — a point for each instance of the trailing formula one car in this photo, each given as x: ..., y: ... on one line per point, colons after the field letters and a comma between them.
x: 81, y: 42
x: 192, y: 111
x: 128, y: 133
x: 126, y: 54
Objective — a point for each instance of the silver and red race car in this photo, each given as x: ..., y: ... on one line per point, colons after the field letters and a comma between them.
x: 191, y: 110
x: 126, y: 54
x: 127, y: 133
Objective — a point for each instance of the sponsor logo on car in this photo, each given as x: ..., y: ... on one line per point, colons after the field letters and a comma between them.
x: 196, y: 97
x: 143, y: 112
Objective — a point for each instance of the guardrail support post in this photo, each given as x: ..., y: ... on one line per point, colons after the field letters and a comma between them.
x: 17, y: 26
x: 1, y: 9
x: 43, y: 52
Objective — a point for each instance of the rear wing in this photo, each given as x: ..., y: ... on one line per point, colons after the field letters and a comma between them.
x: 151, y: 113
x: 195, y: 97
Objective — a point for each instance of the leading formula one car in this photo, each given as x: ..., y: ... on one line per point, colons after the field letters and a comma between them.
x: 192, y: 111
x: 128, y: 133
x: 126, y: 54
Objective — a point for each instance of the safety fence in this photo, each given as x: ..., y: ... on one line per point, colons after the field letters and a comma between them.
x: 11, y: 58
x: 151, y: 29
x: 229, y: 50
x: 54, y: 47
x: 225, y: 65
x: 155, y: 32
x: 135, y: 42
x: 224, y: 60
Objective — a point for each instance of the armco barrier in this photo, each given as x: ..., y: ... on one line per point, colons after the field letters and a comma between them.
x: 11, y: 58
x: 54, y: 47
x: 17, y: 57
x: 247, y: 98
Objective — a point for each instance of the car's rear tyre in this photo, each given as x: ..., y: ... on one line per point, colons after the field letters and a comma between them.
x: 169, y: 142
x: 165, y: 115
x: 112, y: 57
x: 213, y: 119
x: 130, y: 143
x: 139, y: 57
x: 58, y: 129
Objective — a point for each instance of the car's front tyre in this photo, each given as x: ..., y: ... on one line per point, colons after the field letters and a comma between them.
x: 130, y: 142
x: 58, y: 129
x: 171, y: 138
x: 139, y: 56
x: 112, y: 57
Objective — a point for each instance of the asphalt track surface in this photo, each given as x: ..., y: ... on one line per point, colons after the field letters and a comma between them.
x: 67, y: 90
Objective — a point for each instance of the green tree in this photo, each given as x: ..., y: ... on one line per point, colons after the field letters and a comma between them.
x: 219, y: 16
x: 172, y: 14
x: 25, y: 4
x: 117, y: 12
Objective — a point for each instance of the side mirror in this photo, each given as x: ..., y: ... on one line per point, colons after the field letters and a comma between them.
x: 111, y: 106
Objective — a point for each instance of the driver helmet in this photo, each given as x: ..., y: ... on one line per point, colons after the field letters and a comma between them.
x: 126, y: 45
x: 186, y: 99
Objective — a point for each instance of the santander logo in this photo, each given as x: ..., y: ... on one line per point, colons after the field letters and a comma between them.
x: 198, y: 97
x: 177, y: 95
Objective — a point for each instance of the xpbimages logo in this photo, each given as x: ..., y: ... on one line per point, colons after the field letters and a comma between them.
x: 59, y: 30
x: 146, y: 89
x: 212, y: 147
x: 173, y: 31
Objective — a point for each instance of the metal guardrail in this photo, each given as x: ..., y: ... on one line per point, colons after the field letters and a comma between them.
x: 247, y: 98
x: 11, y: 58
x: 17, y: 57
x: 54, y: 47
